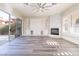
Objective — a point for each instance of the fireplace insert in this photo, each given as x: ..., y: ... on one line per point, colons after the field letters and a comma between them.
x: 54, y: 31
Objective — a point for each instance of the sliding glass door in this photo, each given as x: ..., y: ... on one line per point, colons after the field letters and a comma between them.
x: 15, y: 28
x: 10, y: 28
x: 4, y: 26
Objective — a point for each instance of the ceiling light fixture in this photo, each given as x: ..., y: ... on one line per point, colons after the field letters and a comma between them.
x: 40, y: 6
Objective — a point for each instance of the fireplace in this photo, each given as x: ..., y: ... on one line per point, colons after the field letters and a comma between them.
x: 54, y: 31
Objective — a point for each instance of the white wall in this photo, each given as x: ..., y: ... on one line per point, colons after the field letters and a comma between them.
x: 41, y: 23
x: 68, y: 23
x: 37, y: 24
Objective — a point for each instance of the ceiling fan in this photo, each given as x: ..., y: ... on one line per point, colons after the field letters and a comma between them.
x: 40, y: 6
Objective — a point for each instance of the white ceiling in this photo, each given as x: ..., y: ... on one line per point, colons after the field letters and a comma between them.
x: 24, y: 10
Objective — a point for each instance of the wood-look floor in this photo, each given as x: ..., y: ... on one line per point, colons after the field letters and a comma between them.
x: 39, y: 46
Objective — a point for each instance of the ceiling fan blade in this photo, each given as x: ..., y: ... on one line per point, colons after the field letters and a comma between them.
x: 39, y: 4
x: 50, y: 5
x: 47, y: 6
x: 53, y: 3
x: 44, y: 4
x: 26, y: 3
